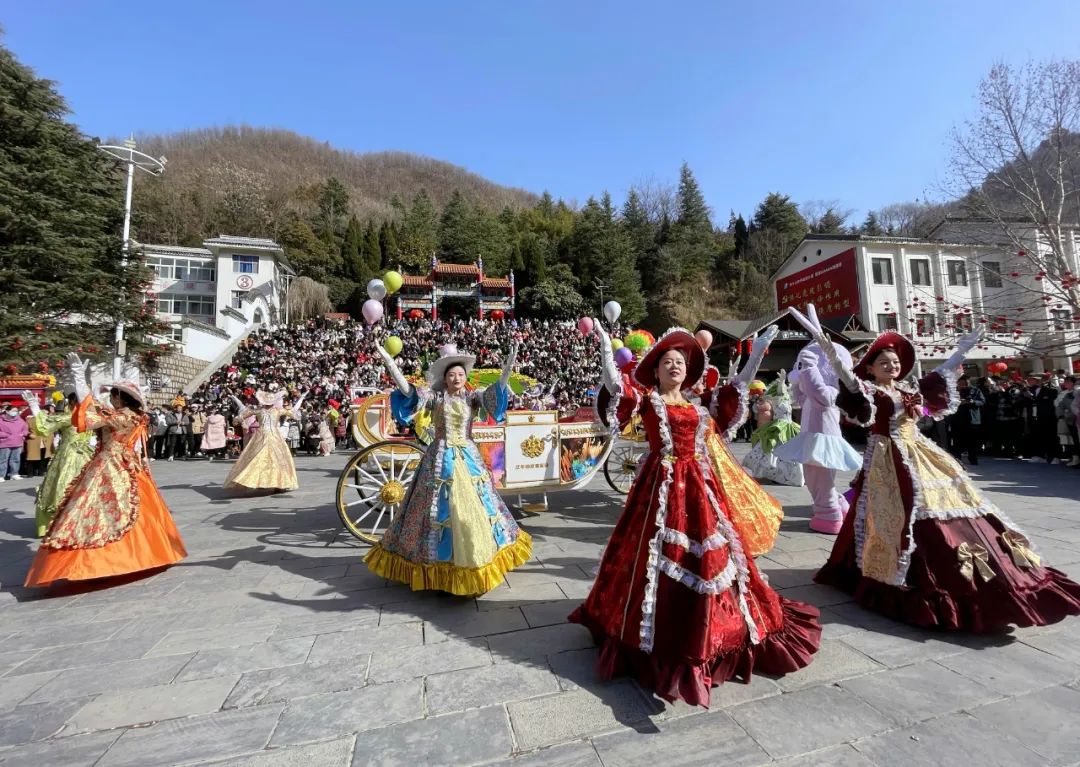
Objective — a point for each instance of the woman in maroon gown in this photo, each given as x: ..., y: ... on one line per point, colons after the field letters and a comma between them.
x: 677, y: 601
x: 922, y: 544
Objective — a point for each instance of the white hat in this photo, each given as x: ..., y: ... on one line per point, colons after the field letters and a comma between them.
x: 448, y: 357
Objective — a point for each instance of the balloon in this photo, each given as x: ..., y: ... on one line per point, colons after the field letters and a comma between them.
x: 392, y: 281
x: 376, y: 290
x: 612, y: 310
x: 623, y: 357
x: 637, y: 342
x: 372, y: 311
x: 704, y: 339
x: 393, y: 345
x: 585, y: 325
x: 616, y: 344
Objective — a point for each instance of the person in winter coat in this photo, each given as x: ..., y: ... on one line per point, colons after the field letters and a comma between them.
x: 157, y: 434
x: 214, y: 439
x: 198, y: 427
x: 13, y: 431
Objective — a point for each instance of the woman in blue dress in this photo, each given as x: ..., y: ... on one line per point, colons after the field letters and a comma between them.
x: 454, y: 532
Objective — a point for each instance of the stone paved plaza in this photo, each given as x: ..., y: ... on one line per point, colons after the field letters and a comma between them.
x: 272, y: 645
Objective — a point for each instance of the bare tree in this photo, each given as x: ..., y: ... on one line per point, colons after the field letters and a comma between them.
x: 1016, y: 166
x: 825, y: 216
x: 660, y: 199
x: 910, y: 219
x: 308, y: 299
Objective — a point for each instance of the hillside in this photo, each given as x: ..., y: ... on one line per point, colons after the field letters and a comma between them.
x: 278, y: 167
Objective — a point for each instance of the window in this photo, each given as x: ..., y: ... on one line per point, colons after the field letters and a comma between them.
x: 245, y: 264
x: 964, y: 323
x: 957, y: 272
x: 200, y: 305
x: 182, y: 269
x: 920, y: 271
x: 991, y: 274
x: 924, y: 324
x: 882, y: 269
x: 165, y: 303
x: 1062, y: 319
x: 886, y: 322
x: 176, y: 333
x: 237, y: 299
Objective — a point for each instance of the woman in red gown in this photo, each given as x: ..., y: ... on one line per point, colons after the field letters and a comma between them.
x: 922, y: 544
x: 678, y: 602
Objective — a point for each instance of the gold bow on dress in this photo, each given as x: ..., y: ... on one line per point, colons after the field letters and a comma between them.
x: 974, y: 557
x: 1017, y: 545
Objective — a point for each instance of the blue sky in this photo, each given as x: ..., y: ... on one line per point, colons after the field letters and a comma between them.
x: 851, y: 101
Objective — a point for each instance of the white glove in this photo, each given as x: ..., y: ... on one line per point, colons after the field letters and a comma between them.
x: 31, y: 401
x: 813, y: 327
x: 297, y: 404
x: 761, y: 344
x: 77, y: 366
x: 609, y: 374
x: 967, y: 343
x: 733, y: 367
x: 395, y: 372
x: 508, y: 366
x: 240, y: 406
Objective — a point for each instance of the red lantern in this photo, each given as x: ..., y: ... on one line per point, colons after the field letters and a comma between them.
x: 997, y: 368
x: 498, y: 315
x: 749, y: 346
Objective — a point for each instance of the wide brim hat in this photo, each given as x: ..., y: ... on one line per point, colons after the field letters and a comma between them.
x: 893, y: 342
x: 676, y: 338
x: 266, y: 398
x: 448, y: 357
x: 128, y: 387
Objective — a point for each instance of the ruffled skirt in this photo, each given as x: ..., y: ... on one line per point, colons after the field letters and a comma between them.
x: 265, y: 464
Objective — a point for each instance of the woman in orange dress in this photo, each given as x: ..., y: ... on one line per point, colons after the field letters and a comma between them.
x: 112, y: 520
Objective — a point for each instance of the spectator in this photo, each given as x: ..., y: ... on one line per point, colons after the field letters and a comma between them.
x: 1043, y: 445
x: 198, y: 427
x: 967, y: 422
x: 1066, y: 408
x: 13, y: 431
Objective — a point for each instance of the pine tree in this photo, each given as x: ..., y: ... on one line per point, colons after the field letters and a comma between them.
x: 831, y: 223
x: 333, y: 207
x: 371, y: 254
x: 600, y: 251
x: 418, y: 235
x: 388, y: 246
x: 777, y: 213
x: 457, y: 240
x: 352, y: 259
x: 870, y: 225
x: 742, y: 237
x: 693, y: 212
x: 61, y: 217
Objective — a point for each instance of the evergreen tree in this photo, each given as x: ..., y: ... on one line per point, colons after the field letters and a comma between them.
x: 777, y: 213
x: 642, y: 234
x: 372, y: 252
x: 418, y: 235
x: 693, y: 212
x: 333, y: 207
x: 742, y: 237
x: 600, y: 252
x: 457, y: 238
x: 61, y: 218
x: 831, y: 223
x: 388, y: 245
x: 870, y: 225
x: 352, y: 258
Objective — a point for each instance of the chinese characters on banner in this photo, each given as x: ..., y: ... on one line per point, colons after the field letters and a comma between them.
x: 832, y: 286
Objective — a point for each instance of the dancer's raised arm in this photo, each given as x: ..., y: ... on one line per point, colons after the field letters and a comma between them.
x: 394, y: 371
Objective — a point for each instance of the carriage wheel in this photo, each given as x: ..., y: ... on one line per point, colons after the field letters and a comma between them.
x: 621, y: 466
x: 373, y: 485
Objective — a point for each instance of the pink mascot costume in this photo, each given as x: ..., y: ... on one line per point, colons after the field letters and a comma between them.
x: 819, y: 446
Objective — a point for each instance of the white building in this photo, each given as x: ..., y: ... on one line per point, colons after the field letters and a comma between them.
x: 933, y: 290
x: 213, y: 296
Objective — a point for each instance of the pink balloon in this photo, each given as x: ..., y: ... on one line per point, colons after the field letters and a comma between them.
x: 585, y: 325
x: 623, y: 357
x: 704, y: 339
x: 372, y: 311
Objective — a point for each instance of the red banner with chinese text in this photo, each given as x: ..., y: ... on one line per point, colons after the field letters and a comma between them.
x: 832, y: 286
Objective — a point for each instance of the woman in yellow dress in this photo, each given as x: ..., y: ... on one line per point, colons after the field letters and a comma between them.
x: 454, y: 532
x: 112, y: 519
x: 266, y: 463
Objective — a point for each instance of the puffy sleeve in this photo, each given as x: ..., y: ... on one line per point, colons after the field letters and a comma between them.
x: 939, y: 392
x: 858, y: 405
x: 495, y: 400
x: 404, y: 407
x: 45, y: 426
x: 88, y: 415
x: 615, y: 412
x: 729, y: 407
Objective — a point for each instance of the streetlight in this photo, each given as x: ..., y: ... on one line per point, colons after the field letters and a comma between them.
x: 601, y: 288
x: 155, y: 167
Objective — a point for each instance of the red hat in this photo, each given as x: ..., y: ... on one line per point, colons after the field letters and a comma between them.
x: 676, y: 338
x: 893, y: 342
x: 333, y: 403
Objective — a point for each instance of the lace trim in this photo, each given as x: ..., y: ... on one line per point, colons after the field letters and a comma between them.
x: 433, y: 536
x: 738, y: 556
x: 951, y: 376
x: 742, y: 409
x: 652, y: 565
x: 717, y: 585
x: 682, y: 540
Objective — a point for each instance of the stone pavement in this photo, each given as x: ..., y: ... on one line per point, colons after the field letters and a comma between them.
x: 272, y: 645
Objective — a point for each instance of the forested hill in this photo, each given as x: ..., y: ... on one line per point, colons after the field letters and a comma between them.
x: 261, y: 173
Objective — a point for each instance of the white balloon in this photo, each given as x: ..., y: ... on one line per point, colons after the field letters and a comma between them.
x: 612, y: 311
x: 376, y: 290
